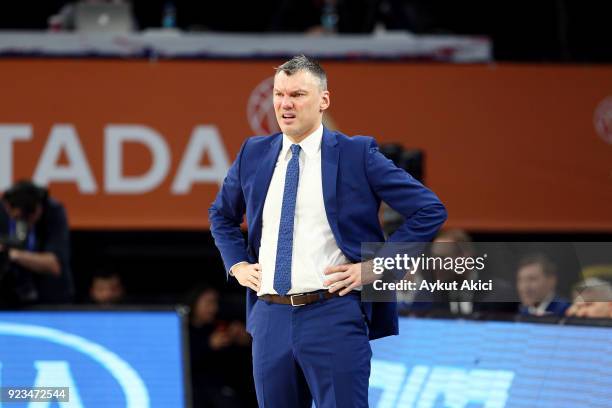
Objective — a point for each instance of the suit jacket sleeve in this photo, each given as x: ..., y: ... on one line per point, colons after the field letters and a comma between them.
x: 423, y: 212
x: 226, y: 214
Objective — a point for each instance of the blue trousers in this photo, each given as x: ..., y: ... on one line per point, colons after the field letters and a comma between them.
x: 319, y: 351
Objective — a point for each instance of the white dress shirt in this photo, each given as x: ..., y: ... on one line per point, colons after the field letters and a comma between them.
x: 314, y: 245
x: 540, y: 309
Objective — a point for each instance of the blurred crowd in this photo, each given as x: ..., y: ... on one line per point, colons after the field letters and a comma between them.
x: 531, y: 289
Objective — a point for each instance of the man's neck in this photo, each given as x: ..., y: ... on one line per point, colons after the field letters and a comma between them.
x: 540, y: 307
x: 298, y: 139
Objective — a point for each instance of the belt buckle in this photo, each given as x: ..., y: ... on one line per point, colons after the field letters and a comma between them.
x: 295, y: 295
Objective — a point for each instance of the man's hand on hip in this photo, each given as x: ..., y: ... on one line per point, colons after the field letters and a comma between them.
x: 248, y: 275
x: 349, y: 276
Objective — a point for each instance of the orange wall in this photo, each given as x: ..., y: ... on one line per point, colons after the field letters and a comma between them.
x: 509, y: 147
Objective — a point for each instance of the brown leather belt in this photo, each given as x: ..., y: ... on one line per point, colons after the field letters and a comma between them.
x: 300, y: 299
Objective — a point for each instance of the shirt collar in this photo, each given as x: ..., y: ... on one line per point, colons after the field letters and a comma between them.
x: 311, y: 144
x: 540, y: 309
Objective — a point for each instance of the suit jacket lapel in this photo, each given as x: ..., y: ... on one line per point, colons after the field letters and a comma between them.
x: 263, y: 176
x: 330, y: 154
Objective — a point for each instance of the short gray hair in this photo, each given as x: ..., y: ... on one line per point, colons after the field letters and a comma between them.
x: 596, y: 284
x: 303, y: 63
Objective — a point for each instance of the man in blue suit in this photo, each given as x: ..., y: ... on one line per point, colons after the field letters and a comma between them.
x: 311, y: 197
x: 536, y: 284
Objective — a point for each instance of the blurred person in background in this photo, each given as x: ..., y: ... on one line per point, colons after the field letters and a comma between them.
x: 107, y: 288
x: 536, y: 282
x: 35, y: 265
x: 592, y: 299
x: 457, y: 243
x: 454, y: 244
x: 220, y: 355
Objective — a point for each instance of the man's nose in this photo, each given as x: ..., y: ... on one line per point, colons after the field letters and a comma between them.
x: 286, y: 103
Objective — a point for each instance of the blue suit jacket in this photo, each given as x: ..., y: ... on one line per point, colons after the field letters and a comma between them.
x: 356, y: 177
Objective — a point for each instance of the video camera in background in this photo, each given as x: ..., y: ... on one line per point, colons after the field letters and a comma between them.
x: 7, y: 242
x: 25, y: 199
x: 16, y: 240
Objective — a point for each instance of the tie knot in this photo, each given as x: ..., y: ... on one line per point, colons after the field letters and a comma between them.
x: 295, y: 149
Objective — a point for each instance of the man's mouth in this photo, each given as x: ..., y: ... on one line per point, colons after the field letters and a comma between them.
x: 288, y: 115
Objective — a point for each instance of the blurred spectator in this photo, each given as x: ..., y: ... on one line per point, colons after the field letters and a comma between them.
x: 106, y: 288
x: 220, y: 355
x: 536, y: 282
x: 457, y: 243
x: 36, y: 250
x: 592, y: 299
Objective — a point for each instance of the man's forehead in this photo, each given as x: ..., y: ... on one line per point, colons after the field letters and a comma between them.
x: 299, y: 80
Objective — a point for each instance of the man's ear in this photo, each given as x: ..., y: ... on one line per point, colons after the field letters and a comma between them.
x: 325, y: 101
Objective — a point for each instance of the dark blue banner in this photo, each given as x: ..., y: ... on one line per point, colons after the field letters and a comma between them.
x: 106, y: 359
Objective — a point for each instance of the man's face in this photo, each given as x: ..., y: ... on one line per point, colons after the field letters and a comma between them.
x: 593, y: 303
x: 207, y: 306
x: 106, y: 290
x: 533, y: 284
x: 17, y: 214
x: 597, y: 310
x: 299, y: 103
x: 446, y: 248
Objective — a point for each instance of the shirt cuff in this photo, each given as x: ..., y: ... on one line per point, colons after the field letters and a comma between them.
x: 234, y: 265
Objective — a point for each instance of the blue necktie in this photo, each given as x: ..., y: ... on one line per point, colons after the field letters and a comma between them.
x: 284, y: 247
